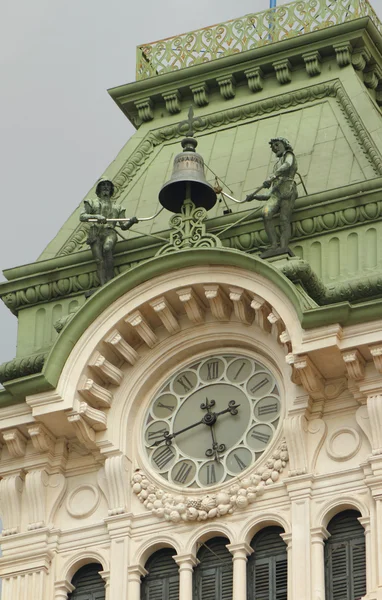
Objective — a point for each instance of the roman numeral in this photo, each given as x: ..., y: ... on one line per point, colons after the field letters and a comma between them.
x: 212, y: 370
x: 240, y: 463
x: 267, y: 408
x: 167, y: 406
x: 183, y: 473
x: 211, y: 474
x: 239, y: 371
x: 259, y: 385
x: 185, y: 383
x: 262, y: 437
x: 163, y: 457
x: 153, y: 435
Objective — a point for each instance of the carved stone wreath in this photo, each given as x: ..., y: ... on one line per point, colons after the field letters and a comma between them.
x: 178, y: 508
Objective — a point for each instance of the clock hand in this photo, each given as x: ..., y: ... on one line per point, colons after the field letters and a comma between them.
x: 169, y: 436
x: 232, y: 408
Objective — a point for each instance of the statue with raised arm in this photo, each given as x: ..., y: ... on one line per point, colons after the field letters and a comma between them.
x: 103, y: 214
x: 281, y: 195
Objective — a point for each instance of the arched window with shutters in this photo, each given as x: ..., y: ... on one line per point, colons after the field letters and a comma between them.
x: 88, y: 583
x: 213, y: 578
x: 345, y: 558
x: 162, y: 579
x: 267, y: 567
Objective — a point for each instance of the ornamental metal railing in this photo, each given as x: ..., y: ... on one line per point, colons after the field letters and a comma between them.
x: 248, y: 32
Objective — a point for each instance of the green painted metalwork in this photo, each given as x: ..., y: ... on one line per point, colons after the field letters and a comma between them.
x: 251, y: 31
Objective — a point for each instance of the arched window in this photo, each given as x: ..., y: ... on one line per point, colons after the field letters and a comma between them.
x: 267, y: 567
x: 88, y: 583
x: 162, y: 579
x: 345, y: 558
x: 214, y: 573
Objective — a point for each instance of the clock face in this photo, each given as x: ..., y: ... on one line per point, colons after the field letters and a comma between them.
x: 212, y: 420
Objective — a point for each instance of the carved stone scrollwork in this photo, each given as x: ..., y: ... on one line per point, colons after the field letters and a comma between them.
x: 193, y: 305
x: 372, y: 77
x: 262, y: 310
x: 283, y: 69
x: 220, y: 305
x: 123, y: 350
x: 308, y: 375
x: 143, y: 329
x: 113, y: 479
x: 200, y: 92
x: 343, y: 53
x: 295, y: 428
x: 312, y: 63
x: 95, y: 418
x: 16, y: 442
x: 84, y: 432
x: 241, y: 304
x: 105, y: 369
x: 145, y: 109
x: 277, y: 323
x: 374, y: 409
x: 166, y: 314
x: 11, y: 488
x: 94, y: 393
x: 360, y: 58
x: 36, y: 483
x: 172, y: 100
x: 255, y: 79
x: 355, y: 364
x: 376, y: 353
x: 227, y: 86
x: 42, y: 439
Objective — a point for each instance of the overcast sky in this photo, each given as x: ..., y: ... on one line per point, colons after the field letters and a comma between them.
x: 59, y: 128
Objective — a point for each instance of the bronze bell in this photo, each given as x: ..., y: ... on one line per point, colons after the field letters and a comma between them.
x: 187, y: 180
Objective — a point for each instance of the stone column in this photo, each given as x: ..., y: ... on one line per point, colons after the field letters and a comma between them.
x: 186, y: 563
x: 370, y: 578
x: 62, y: 589
x: 135, y: 572
x: 106, y: 577
x: 287, y: 537
x: 318, y: 537
x: 299, y: 490
x: 119, y: 528
x: 240, y: 552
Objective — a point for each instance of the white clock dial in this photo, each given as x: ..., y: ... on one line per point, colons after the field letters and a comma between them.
x: 212, y: 420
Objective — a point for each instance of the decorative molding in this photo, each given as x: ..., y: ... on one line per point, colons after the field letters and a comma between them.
x: 360, y: 58
x: 94, y: 418
x: 376, y: 353
x: 172, y: 100
x: 16, y: 442
x: 354, y: 363
x: 283, y: 69
x: 11, y: 488
x: 308, y: 375
x: 83, y: 501
x: 143, y: 329
x: 344, y: 454
x: 262, y: 310
x: 22, y: 367
x: 193, y: 305
x: 220, y: 305
x: 105, y: 369
x: 363, y: 420
x: 372, y: 77
x: 36, y: 483
x: 200, y: 93
x: 84, y: 432
x: 164, y: 311
x: 374, y: 410
x: 295, y: 428
x: 317, y: 429
x: 242, y: 493
x: 145, y: 109
x: 113, y: 479
x: 275, y: 320
x: 241, y: 304
x: 42, y: 439
x: 312, y: 63
x: 255, y: 79
x: 94, y: 393
x: 343, y: 53
x: 227, y: 85
x: 123, y: 350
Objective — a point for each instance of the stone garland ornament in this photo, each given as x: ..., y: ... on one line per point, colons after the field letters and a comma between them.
x: 177, y: 508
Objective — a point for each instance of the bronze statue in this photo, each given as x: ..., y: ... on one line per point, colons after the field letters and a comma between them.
x: 281, y: 195
x: 104, y: 214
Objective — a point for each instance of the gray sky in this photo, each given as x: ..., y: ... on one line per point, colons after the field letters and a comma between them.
x: 59, y: 129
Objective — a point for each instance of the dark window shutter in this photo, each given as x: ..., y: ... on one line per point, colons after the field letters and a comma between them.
x: 88, y: 583
x: 214, y: 575
x: 162, y: 580
x: 345, y: 558
x: 267, y: 568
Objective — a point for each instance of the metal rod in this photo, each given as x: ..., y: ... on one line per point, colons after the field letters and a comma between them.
x: 127, y: 219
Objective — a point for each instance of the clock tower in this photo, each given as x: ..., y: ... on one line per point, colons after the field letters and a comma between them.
x: 205, y: 422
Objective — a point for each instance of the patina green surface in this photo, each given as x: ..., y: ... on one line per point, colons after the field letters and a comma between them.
x: 248, y: 32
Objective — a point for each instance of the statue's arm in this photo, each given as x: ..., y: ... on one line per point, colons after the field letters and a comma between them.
x: 89, y: 213
x: 286, y: 165
x: 124, y: 225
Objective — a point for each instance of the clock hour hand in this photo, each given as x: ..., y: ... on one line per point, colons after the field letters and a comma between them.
x: 167, y: 437
x: 232, y: 408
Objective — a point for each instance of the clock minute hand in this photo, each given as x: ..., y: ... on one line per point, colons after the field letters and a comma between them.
x: 232, y: 408
x: 167, y: 437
